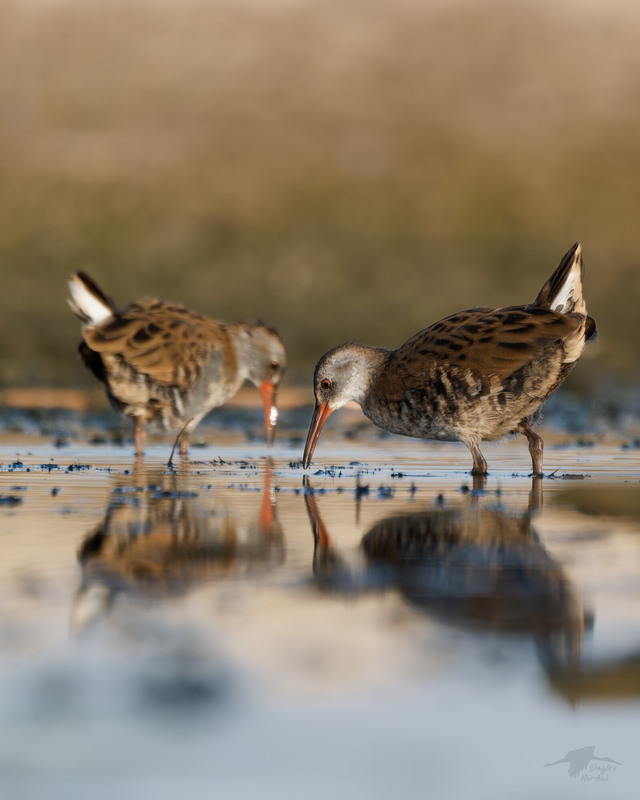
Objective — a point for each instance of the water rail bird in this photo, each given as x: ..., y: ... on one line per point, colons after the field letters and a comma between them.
x: 162, y: 363
x: 476, y: 375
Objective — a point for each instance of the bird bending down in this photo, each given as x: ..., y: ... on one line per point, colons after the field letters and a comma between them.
x: 162, y: 363
x: 476, y: 375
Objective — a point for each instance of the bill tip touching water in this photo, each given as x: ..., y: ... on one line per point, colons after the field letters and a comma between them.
x: 473, y: 376
x: 162, y: 363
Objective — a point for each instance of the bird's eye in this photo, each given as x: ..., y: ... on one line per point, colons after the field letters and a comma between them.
x: 325, y: 383
x: 274, y: 365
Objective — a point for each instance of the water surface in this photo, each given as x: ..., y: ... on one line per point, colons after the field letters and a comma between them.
x: 383, y: 627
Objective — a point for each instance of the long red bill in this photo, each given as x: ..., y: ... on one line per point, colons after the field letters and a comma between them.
x: 268, y: 392
x: 320, y: 416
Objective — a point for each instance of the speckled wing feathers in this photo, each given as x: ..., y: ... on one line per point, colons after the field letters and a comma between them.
x: 165, y: 342
x: 491, y: 341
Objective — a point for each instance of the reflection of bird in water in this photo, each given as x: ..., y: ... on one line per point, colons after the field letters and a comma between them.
x: 475, y: 376
x: 601, y: 680
x: 159, y: 539
x: 164, y: 364
x: 484, y: 569
x: 578, y: 760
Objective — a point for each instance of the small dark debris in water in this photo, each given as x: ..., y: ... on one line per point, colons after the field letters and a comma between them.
x: 126, y: 472
x: 55, y: 491
x: 19, y: 488
x: 566, y: 476
x: 397, y: 474
x: 584, y: 443
x: 361, y: 491
x: 98, y: 438
x: 355, y: 463
x: 440, y: 501
x: 218, y: 460
x: 295, y: 464
x: 169, y: 495
x: 10, y: 500
x: 16, y: 465
x: 464, y: 489
x: 49, y: 467
x: 78, y: 467
x: 633, y: 445
x: 61, y: 441
x: 384, y: 492
x: 413, y: 489
x: 181, y: 690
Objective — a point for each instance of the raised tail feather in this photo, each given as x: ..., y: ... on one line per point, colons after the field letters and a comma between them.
x: 563, y: 291
x: 88, y: 301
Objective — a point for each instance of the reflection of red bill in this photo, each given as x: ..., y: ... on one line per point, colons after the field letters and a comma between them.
x: 268, y: 392
x: 320, y: 416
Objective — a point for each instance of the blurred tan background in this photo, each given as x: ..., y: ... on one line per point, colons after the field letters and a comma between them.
x: 342, y: 169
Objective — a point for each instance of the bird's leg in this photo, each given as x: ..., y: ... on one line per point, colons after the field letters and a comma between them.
x: 183, y: 438
x: 139, y: 436
x: 536, y: 447
x: 479, y: 464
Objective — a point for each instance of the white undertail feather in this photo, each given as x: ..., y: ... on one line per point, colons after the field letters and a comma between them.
x: 86, y: 304
x: 569, y: 296
x: 568, y: 299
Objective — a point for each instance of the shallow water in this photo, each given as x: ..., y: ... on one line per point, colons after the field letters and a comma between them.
x: 386, y: 629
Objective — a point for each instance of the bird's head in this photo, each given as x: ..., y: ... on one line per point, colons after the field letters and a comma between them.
x: 342, y: 375
x: 266, y: 363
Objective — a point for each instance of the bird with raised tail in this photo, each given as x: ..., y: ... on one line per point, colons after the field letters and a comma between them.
x: 162, y: 363
x: 474, y: 376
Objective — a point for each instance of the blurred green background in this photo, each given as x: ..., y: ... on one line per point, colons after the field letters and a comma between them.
x: 342, y: 169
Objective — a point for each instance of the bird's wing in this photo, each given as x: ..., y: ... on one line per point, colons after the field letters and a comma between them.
x: 494, y: 342
x: 166, y: 342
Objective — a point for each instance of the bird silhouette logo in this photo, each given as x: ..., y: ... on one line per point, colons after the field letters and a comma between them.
x: 579, y: 760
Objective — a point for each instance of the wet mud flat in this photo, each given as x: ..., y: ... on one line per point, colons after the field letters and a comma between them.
x: 377, y: 625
